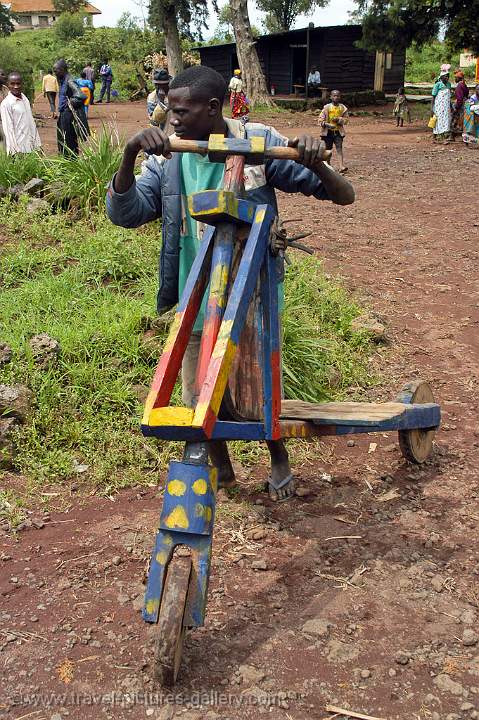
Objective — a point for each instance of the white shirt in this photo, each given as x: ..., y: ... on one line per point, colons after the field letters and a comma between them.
x: 236, y: 85
x: 314, y: 78
x: 21, y: 134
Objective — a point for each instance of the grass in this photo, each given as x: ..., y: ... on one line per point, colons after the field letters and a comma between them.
x: 82, y: 178
x: 92, y: 286
x: 422, y: 64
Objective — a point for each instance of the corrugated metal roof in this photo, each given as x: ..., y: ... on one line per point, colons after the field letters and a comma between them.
x: 279, y: 34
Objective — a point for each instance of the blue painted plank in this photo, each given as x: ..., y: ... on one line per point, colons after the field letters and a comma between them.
x: 271, y: 348
x: 224, y: 430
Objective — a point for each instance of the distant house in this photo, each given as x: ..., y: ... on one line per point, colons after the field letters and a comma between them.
x: 34, y: 14
x: 333, y: 50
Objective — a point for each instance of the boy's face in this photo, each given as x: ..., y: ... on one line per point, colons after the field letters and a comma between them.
x: 335, y: 97
x: 192, y: 119
x: 3, y: 77
x: 15, y: 85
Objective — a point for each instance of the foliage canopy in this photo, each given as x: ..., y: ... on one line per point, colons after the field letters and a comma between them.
x: 281, y: 14
x: 68, y: 6
x: 6, y: 25
x: 391, y: 24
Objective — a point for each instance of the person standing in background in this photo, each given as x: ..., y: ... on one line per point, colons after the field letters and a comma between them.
x: 21, y: 134
x: 334, y: 116
x: 3, y: 94
x: 50, y: 90
x: 461, y: 94
x: 441, y: 107
x: 86, y: 86
x: 90, y: 75
x: 72, y: 124
x: 106, y: 75
x: 238, y: 100
x: 156, y: 102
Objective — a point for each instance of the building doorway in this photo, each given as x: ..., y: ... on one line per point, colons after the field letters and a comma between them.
x: 234, y: 63
x: 298, y: 66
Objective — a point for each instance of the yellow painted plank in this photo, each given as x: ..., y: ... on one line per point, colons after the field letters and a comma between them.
x: 171, y: 416
x: 297, y: 409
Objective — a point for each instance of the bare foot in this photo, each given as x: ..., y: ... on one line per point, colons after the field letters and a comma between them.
x: 220, y: 459
x: 282, y: 490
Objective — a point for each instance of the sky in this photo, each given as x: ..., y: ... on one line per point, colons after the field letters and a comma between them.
x: 336, y: 13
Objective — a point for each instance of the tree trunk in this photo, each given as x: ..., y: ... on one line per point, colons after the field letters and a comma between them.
x: 256, y: 88
x: 172, y: 40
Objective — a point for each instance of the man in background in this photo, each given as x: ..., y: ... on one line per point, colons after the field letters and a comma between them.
x: 314, y: 80
x: 156, y: 102
x: 21, y: 134
x: 106, y: 75
x: 50, y: 90
x: 90, y: 75
x: 72, y: 124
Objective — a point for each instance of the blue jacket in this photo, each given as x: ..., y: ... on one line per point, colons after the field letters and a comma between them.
x: 157, y: 193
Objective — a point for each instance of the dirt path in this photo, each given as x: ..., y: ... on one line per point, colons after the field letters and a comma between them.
x: 385, y: 624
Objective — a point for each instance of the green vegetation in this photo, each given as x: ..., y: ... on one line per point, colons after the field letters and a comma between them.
x: 422, y: 64
x: 92, y: 286
x: 82, y: 178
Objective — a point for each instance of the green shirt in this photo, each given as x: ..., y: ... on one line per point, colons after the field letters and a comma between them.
x: 197, y: 174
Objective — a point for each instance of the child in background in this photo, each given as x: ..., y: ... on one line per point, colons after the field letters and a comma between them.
x: 401, y: 108
x: 86, y: 86
x: 332, y: 119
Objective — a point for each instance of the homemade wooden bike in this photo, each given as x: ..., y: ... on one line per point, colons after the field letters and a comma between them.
x: 241, y: 338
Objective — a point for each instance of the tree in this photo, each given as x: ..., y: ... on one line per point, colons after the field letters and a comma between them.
x: 6, y: 25
x: 253, y: 75
x: 171, y: 17
x: 281, y: 14
x: 391, y: 24
x: 69, y: 26
x: 68, y: 6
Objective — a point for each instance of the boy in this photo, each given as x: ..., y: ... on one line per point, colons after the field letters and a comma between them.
x: 86, y: 86
x: 195, y: 102
x: 332, y: 119
x: 21, y: 134
x: 156, y: 102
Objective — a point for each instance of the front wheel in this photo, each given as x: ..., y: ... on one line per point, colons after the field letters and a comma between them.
x: 170, y: 631
x: 416, y: 445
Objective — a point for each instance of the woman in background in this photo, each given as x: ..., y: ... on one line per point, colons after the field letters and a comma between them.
x: 471, y: 120
x: 238, y: 100
x: 441, y: 105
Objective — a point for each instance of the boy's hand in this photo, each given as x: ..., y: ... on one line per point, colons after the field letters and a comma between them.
x: 151, y: 140
x: 311, y: 150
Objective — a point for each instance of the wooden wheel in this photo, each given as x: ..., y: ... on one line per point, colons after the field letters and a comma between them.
x: 170, y: 631
x: 416, y: 445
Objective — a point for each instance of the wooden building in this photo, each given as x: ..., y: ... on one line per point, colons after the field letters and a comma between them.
x: 34, y: 14
x: 343, y: 66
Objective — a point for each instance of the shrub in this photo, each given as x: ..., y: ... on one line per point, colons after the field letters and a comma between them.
x: 11, y: 59
x: 69, y: 26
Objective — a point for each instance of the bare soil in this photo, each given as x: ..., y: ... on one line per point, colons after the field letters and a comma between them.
x: 396, y: 607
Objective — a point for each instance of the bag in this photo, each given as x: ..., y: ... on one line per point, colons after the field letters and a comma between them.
x: 432, y: 122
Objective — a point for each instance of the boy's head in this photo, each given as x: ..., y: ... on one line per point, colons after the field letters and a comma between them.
x: 83, y: 75
x: 105, y: 61
x: 335, y: 97
x: 15, y: 84
x: 195, y: 99
x: 3, y: 77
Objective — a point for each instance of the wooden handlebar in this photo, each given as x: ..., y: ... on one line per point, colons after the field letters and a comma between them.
x: 276, y: 152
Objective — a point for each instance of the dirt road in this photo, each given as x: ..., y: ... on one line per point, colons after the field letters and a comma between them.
x: 385, y: 623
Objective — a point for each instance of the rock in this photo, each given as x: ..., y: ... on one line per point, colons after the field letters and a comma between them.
x: 80, y: 468
x: 37, y: 523
x: 392, y: 672
x: 317, y: 627
x: 45, y: 349
x: 167, y: 712
x: 56, y: 716
x: 7, y: 445
x: 365, y: 674
x: 6, y: 353
x: 116, y: 560
x: 366, y: 323
x: 469, y: 638
x: 465, y: 707
x: 401, y: 657
x: 446, y: 684
x: 259, y: 565
x: 37, y: 205
x: 468, y: 617
x: 15, y: 401
x: 437, y: 583
x: 34, y: 186
x: 15, y: 191
x: 250, y: 674
x: 340, y: 652
x: 350, y: 443
x: 302, y: 491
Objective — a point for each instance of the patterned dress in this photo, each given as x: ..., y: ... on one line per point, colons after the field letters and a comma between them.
x: 441, y: 93
x: 471, y: 121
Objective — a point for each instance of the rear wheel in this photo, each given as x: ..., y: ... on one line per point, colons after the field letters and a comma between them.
x: 416, y: 445
x: 170, y: 630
